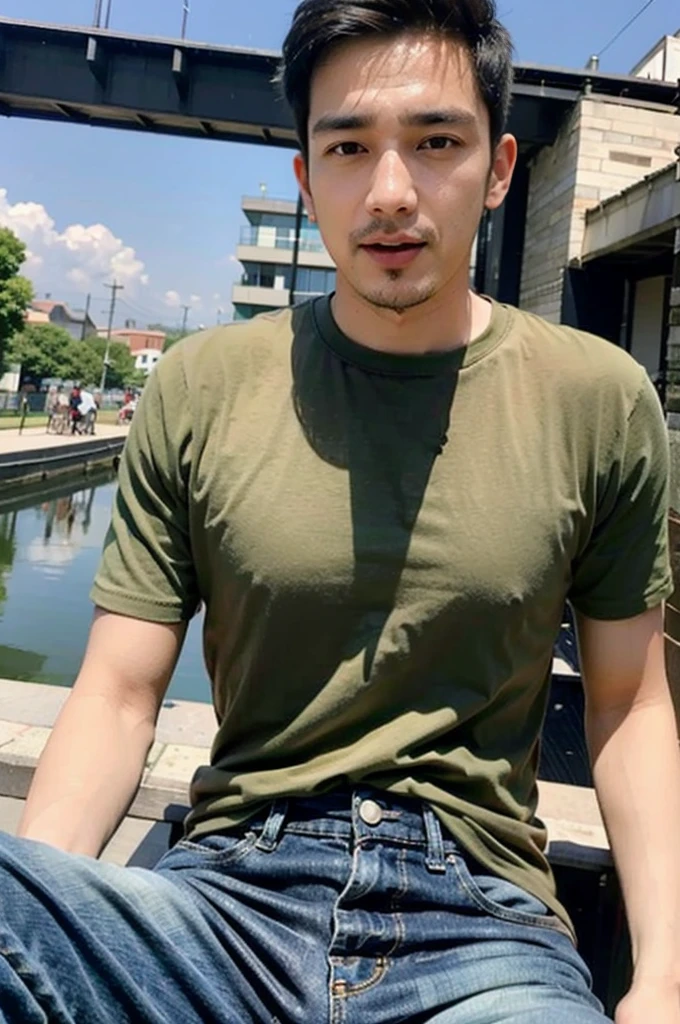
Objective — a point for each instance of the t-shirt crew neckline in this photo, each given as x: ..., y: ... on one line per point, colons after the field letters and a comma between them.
x: 409, y: 365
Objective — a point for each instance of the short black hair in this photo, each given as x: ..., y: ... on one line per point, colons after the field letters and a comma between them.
x: 320, y: 26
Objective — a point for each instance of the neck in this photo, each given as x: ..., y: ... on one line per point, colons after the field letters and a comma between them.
x: 449, y: 320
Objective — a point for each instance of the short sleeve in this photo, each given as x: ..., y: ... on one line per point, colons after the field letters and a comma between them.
x: 625, y: 567
x: 147, y: 570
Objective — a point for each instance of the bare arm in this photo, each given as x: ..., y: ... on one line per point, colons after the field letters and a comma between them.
x: 634, y: 748
x: 93, y: 762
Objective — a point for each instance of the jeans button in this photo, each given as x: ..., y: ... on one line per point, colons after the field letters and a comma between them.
x: 370, y: 812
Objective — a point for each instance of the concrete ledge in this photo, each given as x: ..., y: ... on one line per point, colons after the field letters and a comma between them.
x: 42, y: 463
x: 577, y: 836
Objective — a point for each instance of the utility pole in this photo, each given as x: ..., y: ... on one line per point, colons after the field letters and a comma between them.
x: 83, y: 333
x: 115, y: 288
x: 97, y: 20
x: 108, y: 14
x: 184, y: 321
x: 185, y: 16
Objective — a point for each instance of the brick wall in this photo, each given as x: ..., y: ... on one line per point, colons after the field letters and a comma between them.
x: 606, y: 145
x: 619, y: 145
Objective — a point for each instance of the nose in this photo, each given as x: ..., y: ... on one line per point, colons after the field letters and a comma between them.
x: 392, y: 189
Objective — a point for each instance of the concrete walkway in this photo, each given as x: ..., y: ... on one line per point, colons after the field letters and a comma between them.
x: 183, y: 737
x: 36, y: 438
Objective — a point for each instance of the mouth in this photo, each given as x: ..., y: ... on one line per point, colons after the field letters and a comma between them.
x: 394, y: 255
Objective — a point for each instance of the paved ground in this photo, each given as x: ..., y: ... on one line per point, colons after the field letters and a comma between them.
x: 183, y: 737
x: 36, y: 437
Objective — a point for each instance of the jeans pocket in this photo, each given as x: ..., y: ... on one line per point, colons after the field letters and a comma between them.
x: 502, y: 899
x: 212, y: 850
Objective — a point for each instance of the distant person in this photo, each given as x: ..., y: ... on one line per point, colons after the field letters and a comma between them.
x: 62, y: 402
x: 88, y: 411
x: 128, y: 409
x: 74, y: 409
x: 383, y: 498
x: 51, y: 401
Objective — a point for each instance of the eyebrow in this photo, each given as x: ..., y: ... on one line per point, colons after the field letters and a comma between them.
x: 451, y: 116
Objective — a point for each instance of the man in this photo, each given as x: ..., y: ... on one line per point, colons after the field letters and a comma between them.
x: 74, y: 408
x: 87, y: 408
x: 384, y: 499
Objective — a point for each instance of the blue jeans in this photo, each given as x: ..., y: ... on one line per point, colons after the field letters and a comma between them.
x: 351, y: 908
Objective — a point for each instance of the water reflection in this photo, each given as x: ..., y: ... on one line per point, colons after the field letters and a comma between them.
x: 67, y: 524
x: 8, y: 547
x: 51, y: 537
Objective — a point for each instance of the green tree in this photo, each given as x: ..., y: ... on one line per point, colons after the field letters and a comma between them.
x: 16, y: 292
x: 121, y: 369
x: 45, y: 350
x: 172, y: 338
x: 172, y: 334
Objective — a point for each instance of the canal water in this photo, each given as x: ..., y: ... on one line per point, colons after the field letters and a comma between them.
x: 50, y: 542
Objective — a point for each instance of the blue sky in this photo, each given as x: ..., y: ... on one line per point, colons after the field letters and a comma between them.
x: 165, y: 211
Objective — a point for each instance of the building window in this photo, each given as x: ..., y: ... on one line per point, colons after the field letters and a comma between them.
x: 315, y: 281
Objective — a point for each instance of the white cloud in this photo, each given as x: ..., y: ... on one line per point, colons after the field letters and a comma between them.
x: 195, y: 301
x: 172, y: 300
x: 82, y: 255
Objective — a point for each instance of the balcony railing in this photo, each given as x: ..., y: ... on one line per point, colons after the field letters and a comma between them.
x: 255, y: 237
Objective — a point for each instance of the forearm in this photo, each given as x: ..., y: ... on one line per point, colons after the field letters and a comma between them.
x: 87, y: 775
x: 636, y: 766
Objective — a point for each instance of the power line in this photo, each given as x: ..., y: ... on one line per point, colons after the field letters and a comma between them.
x: 156, y: 315
x: 626, y: 27
x: 115, y: 288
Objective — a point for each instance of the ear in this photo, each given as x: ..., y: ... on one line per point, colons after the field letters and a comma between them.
x: 502, y: 170
x: 302, y: 176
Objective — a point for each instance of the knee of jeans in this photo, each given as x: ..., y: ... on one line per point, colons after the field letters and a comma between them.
x: 534, y: 1004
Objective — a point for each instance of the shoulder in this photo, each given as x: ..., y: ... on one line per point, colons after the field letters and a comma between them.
x: 232, y: 350
x: 582, y: 364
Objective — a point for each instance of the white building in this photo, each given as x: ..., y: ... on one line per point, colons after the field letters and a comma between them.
x: 662, y: 63
x: 146, y: 359
x: 266, y: 250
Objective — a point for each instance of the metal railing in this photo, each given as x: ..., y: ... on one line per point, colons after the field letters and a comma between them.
x: 252, y: 236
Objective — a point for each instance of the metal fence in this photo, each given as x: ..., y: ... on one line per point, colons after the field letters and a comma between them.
x: 11, y: 403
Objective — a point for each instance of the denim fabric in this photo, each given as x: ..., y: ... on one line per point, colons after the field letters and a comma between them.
x: 326, y: 910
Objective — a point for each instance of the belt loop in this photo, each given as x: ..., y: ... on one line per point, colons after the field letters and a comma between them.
x: 435, y: 859
x: 273, y: 827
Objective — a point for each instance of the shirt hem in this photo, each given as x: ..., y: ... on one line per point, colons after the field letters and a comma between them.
x: 135, y: 608
x: 619, y: 611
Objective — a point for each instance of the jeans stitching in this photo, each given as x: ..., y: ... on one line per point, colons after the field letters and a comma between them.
x: 379, y: 971
x: 237, y: 852
x: 44, y: 997
x: 502, y: 913
x: 397, y: 897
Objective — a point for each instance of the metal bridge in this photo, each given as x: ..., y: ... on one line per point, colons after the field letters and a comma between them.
x: 96, y: 77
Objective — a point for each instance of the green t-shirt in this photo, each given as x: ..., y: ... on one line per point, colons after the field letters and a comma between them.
x: 384, y: 545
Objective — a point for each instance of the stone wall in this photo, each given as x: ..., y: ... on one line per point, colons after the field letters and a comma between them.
x: 606, y: 145
x: 549, y: 215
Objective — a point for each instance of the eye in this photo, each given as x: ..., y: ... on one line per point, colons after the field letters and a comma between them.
x: 439, y: 142
x: 347, y: 149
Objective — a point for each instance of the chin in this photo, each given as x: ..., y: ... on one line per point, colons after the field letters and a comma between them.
x: 399, y: 299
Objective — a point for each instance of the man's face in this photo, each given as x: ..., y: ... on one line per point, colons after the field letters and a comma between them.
x: 400, y: 166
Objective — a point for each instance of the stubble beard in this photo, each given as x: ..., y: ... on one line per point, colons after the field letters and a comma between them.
x: 416, y: 295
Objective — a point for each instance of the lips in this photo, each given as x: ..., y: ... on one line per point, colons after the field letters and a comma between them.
x: 392, y: 247
x: 394, y: 255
